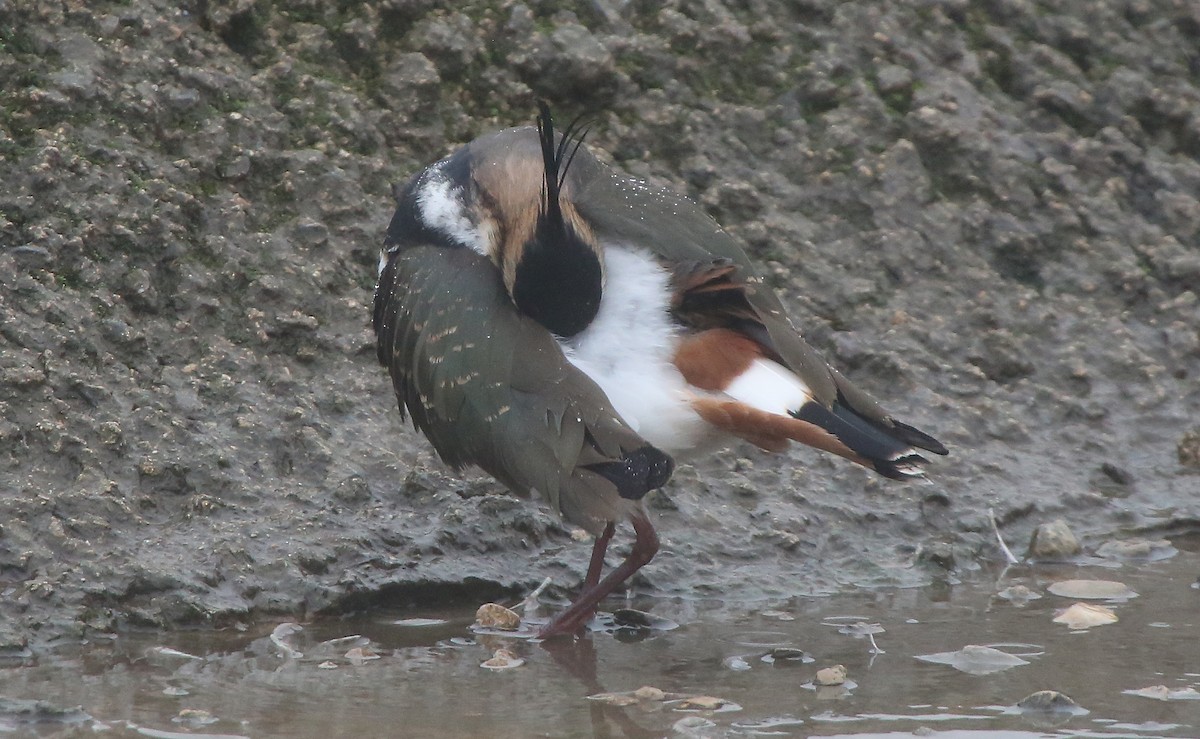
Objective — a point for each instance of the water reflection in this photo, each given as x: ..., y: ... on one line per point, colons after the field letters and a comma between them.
x: 745, y: 669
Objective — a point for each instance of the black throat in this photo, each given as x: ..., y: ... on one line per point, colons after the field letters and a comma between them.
x: 557, y: 282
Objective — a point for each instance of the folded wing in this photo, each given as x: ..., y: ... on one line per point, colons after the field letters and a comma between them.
x: 492, y: 388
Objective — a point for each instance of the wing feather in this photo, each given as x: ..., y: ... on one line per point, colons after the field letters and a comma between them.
x: 492, y: 388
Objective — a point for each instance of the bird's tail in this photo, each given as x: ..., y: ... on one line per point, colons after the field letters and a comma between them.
x: 764, y: 402
x: 889, y: 447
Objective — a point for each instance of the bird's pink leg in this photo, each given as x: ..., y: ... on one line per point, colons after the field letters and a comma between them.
x: 645, y: 546
x: 598, y: 550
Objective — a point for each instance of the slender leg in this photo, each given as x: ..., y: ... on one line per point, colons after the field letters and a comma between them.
x: 645, y: 546
x: 598, y: 550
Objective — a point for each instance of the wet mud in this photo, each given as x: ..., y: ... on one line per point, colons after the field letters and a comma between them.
x: 984, y: 213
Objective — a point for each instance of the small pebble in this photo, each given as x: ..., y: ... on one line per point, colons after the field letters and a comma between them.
x: 835, y: 675
x: 783, y: 655
x: 359, y: 655
x: 1047, y: 700
x: 502, y: 660
x: 702, y: 703
x: 195, y: 717
x: 1085, y: 616
x: 496, y: 616
x: 1018, y: 594
x: 632, y: 618
x: 645, y: 693
x: 1053, y: 540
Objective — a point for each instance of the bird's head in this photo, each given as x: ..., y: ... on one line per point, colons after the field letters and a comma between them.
x: 508, y: 197
x: 553, y: 265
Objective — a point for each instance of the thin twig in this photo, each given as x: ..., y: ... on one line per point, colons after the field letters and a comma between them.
x: 874, y: 647
x: 530, y: 601
x: 1008, y: 555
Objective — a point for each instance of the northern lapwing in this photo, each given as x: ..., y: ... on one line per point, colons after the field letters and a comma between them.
x: 570, y: 330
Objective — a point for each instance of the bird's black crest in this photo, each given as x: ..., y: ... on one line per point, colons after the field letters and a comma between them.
x: 558, y: 278
x: 553, y: 156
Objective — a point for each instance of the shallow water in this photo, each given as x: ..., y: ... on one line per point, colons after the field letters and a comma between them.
x: 427, y: 680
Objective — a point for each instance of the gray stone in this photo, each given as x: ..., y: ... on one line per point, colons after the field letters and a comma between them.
x: 1053, y: 540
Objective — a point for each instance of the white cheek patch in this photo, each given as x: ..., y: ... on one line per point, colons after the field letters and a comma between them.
x: 443, y: 208
x: 769, y: 386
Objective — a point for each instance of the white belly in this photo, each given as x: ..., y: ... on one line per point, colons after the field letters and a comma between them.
x: 628, y: 349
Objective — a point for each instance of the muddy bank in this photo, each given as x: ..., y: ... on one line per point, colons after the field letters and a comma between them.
x: 984, y: 213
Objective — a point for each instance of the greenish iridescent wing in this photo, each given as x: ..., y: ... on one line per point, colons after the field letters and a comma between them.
x: 491, y: 388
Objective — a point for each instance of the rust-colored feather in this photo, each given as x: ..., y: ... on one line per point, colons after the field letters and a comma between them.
x: 770, y: 431
x: 712, y: 359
